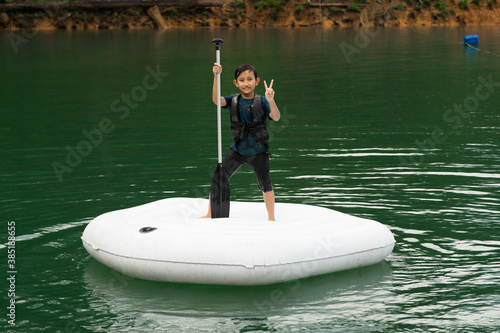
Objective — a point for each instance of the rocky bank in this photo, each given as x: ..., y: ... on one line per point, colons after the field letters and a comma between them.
x: 254, y: 13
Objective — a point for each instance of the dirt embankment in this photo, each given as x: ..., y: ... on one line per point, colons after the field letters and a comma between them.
x: 256, y: 13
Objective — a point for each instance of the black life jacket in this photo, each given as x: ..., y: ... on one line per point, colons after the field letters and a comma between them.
x: 257, y: 127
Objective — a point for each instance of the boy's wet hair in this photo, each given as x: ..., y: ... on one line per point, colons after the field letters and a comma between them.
x: 243, y: 68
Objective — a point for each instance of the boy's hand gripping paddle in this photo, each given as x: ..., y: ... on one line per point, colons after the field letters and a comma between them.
x: 219, y: 190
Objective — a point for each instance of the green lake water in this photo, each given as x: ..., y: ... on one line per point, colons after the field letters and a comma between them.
x: 401, y: 126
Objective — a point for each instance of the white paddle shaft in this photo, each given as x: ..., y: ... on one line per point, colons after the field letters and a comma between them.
x: 219, y: 120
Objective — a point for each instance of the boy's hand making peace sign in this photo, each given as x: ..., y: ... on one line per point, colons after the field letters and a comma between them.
x: 269, y: 91
x: 275, y: 112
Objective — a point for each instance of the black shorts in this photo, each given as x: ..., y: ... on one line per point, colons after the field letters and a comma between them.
x: 259, y: 163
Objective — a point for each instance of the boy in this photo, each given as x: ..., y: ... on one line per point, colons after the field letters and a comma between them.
x: 248, y: 126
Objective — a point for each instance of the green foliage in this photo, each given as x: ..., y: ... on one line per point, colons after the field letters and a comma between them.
x: 354, y: 8
x: 491, y: 3
x: 409, y: 1
x: 360, y: 1
x: 236, y: 4
x: 397, y: 6
x: 476, y: 2
x: 337, y: 10
x: 275, y: 5
x: 440, y: 5
x: 172, y: 11
x: 463, y: 4
x: 260, y: 5
x: 299, y: 9
x: 453, y: 11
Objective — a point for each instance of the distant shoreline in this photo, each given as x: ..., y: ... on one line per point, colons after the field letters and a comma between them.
x: 165, y: 14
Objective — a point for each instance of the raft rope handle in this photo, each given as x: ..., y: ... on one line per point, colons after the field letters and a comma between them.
x: 475, y: 48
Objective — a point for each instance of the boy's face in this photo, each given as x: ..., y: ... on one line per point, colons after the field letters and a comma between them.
x: 247, y: 82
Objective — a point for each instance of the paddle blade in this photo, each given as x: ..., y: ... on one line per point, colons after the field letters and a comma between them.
x: 219, y: 193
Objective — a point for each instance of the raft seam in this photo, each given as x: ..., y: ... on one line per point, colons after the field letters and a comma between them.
x: 249, y: 267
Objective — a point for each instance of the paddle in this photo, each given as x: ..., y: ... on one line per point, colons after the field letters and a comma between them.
x: 219, y: 190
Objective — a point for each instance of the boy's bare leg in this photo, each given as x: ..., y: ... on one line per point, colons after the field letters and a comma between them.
x: 269, y: 200
x: 209, y: 213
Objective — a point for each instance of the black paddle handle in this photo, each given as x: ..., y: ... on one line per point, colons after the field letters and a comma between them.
x: 217, y: 42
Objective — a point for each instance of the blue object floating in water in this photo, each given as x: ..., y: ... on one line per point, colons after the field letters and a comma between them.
x: 471, y: 40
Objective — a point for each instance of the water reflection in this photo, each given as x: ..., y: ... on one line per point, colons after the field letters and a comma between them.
x: 149, y: 305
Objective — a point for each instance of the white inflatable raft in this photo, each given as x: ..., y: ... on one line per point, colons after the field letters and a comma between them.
x: 167, y: 241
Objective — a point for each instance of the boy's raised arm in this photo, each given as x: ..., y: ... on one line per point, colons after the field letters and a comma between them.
x: 275, y: 112
x: 217, y: 69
